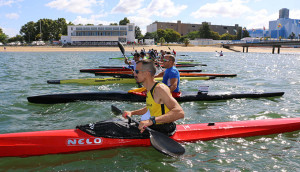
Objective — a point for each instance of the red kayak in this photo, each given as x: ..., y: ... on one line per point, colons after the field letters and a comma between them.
x: 182, y: 74
x: 74, y: 140
x: 126, y: 69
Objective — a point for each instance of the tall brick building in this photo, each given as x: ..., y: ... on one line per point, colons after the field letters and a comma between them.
x: 185, y: 28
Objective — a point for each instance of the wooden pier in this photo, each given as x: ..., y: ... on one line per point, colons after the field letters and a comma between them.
x: 273, y: 44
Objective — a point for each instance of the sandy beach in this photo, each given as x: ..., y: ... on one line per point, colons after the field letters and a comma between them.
x: 131, y: 49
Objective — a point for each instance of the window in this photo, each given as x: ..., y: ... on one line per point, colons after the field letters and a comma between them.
x: 115, y: 33
x: 122, y: 33
x: 130, y: 28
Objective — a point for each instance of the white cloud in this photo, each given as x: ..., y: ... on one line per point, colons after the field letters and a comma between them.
x: 12, y: 16
x: 141, y: 22
x: 264, y: 18
x: 263, y: 21
x: 294, y: 14
x: 11, y: 32
x: 75, y: 6
x: 127, y: 6
x: 223, y: 8
x: 93, y: 20
x: 162, y: 8
x: 8, y: 2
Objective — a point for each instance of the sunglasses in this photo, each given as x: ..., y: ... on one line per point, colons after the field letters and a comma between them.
x: 138, y: 71
x: 165, y: 60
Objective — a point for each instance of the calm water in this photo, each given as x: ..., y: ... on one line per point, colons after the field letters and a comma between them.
x: 25, y: 74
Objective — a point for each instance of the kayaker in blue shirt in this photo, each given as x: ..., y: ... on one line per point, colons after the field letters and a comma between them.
x: 171, y: 76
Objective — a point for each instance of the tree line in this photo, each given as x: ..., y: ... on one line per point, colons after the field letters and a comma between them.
x: 169, y: 35
x: 49, y: 30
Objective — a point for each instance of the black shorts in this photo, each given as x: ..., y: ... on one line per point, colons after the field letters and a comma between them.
x: 122, y: 129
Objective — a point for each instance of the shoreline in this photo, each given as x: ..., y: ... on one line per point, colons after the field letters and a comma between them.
x: 138, y: 48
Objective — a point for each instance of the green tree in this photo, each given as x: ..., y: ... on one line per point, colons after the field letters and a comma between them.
x: 58, y: 28
x: 3, y: 36
x: 292, y: 35
x: 162, y: 40
x: 227, y: 36
x: 151, y: 35
x: 138, y: 33
x: 29, y: 31
x: 16, y: 38
x: 204, y: 31
x: 215, y: 35
x: 242, y: 33
x: 113, y: 24
x: 161, y: 33
x: 171, y: 35
x: 124, y: 21
x: 181, y: 39
x: 45, y: 29
x: 186, y: 42
x: 192, y: 35
x: 239, y: 34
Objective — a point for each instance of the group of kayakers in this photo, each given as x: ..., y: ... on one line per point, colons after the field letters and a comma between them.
x: 161, y: 108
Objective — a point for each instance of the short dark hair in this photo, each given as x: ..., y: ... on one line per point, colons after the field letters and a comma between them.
x: 148, y: 64
x: 136, y: 54
x: 171, y: 57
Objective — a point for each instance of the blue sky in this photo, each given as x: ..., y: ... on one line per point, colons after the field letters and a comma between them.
x: 246, y: 13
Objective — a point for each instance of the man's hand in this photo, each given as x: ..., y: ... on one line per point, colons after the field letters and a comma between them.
x: 126, y: 113
x: 144, y: 124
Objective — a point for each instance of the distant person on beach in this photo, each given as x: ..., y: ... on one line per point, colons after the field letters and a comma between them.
x: 4, y: 48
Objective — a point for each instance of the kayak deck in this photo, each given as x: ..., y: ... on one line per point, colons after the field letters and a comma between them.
x: 125, y: 96
x: 103, y: 81
x: 126, y: 69
x: 74, y: 140
x: 127, y: 74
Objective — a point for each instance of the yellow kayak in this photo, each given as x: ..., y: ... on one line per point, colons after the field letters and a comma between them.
x: 103, y: 81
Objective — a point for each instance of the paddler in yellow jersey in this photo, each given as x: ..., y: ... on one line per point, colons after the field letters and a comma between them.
x: 161, y: 107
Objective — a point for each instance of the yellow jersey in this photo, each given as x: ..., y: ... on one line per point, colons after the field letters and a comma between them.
x: 155, y: 108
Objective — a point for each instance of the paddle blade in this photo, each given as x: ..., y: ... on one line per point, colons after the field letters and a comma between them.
x: 121, y: 48
x: 152, y: 54
x: 165, y: 144
x: 115, y: 110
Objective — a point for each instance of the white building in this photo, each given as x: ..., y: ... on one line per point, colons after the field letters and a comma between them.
x: 99, y: 35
